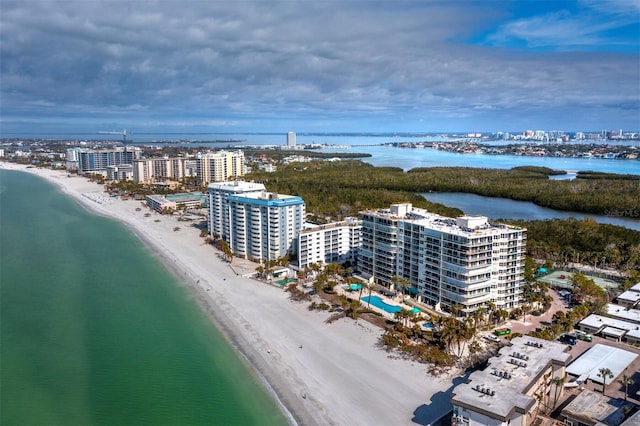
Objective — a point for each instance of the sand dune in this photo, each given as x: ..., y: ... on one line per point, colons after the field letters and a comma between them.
x: 323, y: 374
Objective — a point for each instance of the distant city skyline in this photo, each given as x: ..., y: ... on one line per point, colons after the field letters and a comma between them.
x: 348, y: 66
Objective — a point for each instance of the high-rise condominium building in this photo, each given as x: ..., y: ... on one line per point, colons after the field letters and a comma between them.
x: 220, y: 166
x: 152, y: 169
x: 97, y: 160
x: 257, y: 224
x: 291, y: 139
x: 335, y: 242
x: 467, y: 261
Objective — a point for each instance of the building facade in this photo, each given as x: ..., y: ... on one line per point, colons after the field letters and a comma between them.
x: 147, y: 170
x: 218, y: 201
x: 336, y: 242
x: 86, y: 160
x: 466, y: 261
x: 120, y: 172
x: 256, y: 224
x: 219, y: 166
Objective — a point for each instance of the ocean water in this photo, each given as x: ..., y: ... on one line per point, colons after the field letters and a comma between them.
x: 95, y: 331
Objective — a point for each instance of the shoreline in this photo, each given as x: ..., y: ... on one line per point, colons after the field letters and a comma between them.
x: 324, y: 374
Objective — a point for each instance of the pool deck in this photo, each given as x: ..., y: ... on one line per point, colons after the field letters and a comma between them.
x: 384, y: 299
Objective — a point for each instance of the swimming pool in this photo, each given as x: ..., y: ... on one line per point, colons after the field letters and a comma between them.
x: 378, y: 303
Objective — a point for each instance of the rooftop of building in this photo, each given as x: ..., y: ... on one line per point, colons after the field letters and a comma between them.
x: 464, y: 225
x: 237, y: 186
x: 267, y: 199
x: 314, y: 227
x: 629, y: 296
x: 594, y: 408
x: 597, y: 322
x: 504, y: 384
x: 617, y: 311
x: 186, y: 196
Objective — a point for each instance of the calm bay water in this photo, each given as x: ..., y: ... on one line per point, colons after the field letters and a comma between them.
x: 503, y: 208
x: 95, y: 331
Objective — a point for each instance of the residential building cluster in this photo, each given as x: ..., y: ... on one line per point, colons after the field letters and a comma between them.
x: 531, y: 376
x: 467, y: 261
x: 126, y: 163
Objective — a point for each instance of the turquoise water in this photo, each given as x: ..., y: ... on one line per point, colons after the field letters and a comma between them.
x: 378, y: 303
x: 95, y: 331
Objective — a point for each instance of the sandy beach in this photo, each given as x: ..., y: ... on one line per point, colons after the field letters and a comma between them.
x: 322, y: 374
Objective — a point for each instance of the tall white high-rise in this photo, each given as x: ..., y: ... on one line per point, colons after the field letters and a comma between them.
x: 291, y: 139
x: 220, y: 166
x: 467, y: 262
x: 257, y: 225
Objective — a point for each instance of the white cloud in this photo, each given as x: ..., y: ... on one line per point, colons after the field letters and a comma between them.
x: 250, y: 61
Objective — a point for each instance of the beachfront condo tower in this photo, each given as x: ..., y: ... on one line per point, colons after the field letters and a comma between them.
x: 335, y: 242
x: 257, y: 225
x: 467, y: 262
x: 86, y: 160
x: 220, y: 166
x: 149, y: 170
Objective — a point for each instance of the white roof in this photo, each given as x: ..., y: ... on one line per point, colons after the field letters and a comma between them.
x: 616, y: 332
x: 617, y: 311
x: 601, y: 356
x: 635, y: 287
x: 598, y: 321
x: 629, y: 295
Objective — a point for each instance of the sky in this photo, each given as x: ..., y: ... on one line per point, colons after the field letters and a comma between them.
x: 318, y: 66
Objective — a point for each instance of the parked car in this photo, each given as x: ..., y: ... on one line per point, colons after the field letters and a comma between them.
x: 569, y: 339
x: 492, y: 338
x: 581, y: 335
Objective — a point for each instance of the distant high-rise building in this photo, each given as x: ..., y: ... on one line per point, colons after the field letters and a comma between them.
x: 147, y: 170
x: 291, y: 139
x: 219, y: 166
x: 97, y: 160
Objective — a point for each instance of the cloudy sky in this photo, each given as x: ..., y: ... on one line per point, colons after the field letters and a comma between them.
x: 319, y: 66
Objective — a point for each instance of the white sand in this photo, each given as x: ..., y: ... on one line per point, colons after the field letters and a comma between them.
x: 346, y: 379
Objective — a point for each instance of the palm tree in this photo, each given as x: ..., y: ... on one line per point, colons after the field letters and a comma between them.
x: 626, y: 381
x: 370, y: 287
x: 400, y: 282
x: 605, y: 373
x: 226, y: 250
x: 558, y: 382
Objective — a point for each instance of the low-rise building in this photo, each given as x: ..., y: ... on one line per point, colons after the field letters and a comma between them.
x: 120, y: 172
x: 611, y: 328
x: 173, y: 202
x: 631, y: 297
x: 591, y: 408
x: 510, y: 389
